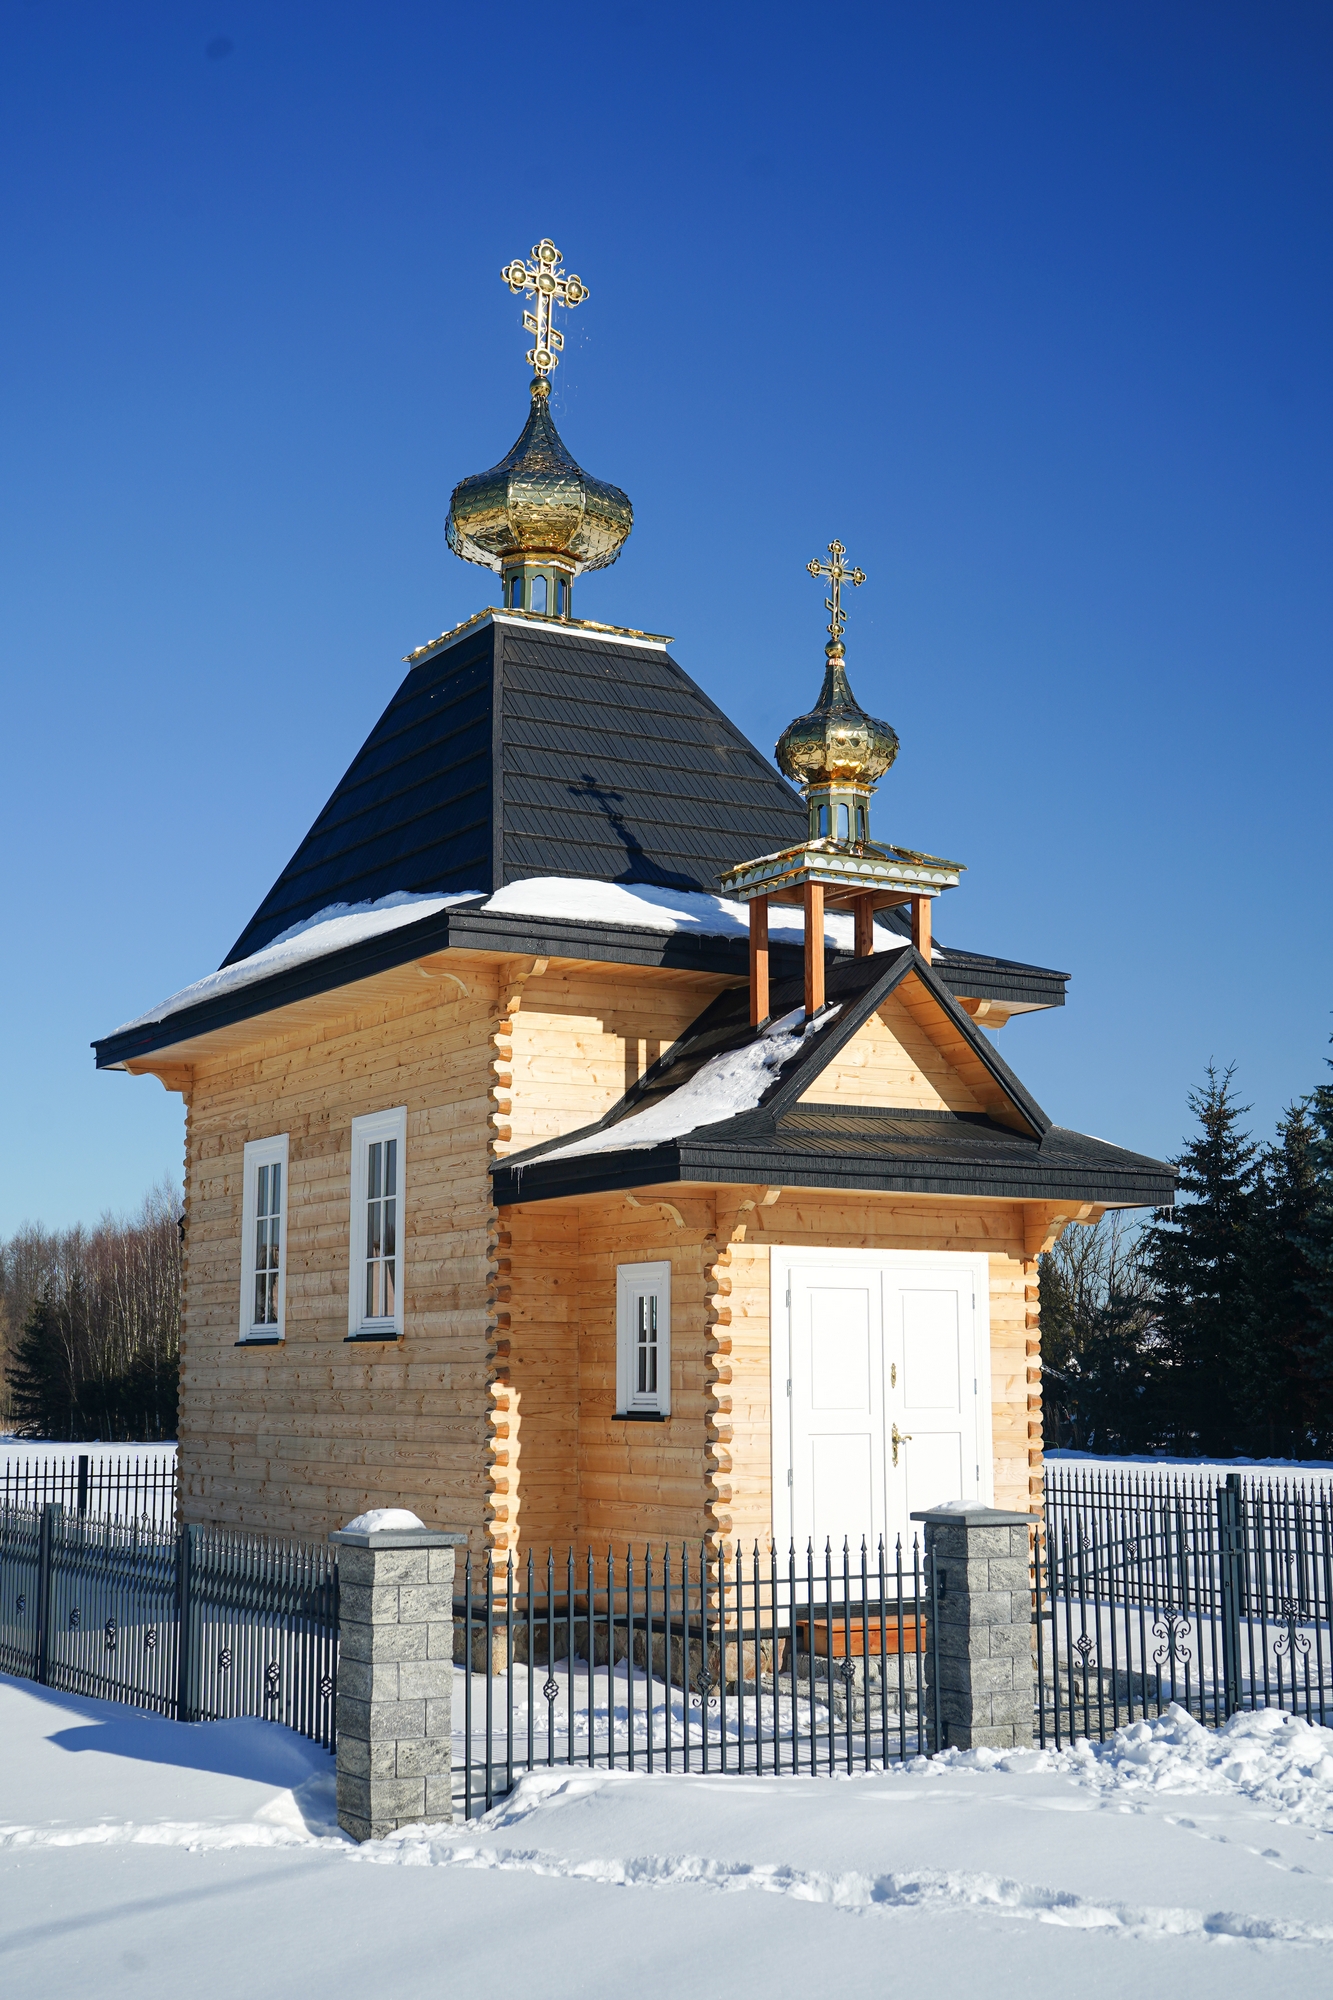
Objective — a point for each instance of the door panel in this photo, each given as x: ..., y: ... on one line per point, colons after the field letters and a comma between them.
x: 931, y: 1317
x: 933, y: 1471
x: 878, y: 1343
x: 840, y: 1342
x: 842, y: 1485
x: 930, y: 1372
x: 837, y: 1404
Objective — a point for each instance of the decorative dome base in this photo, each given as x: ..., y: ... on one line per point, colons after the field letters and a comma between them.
x: 538, y: 517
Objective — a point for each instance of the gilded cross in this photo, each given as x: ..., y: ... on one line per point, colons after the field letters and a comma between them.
x: 547, y: 285
x: 837, y: 575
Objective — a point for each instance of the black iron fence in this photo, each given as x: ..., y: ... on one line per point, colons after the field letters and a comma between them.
x: 118, y: 1485
x: 1153, y: 1587
x: 197, y: 1623
x: 688, y: 1659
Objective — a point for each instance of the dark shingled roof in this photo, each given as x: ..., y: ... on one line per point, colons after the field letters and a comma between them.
x: 867, y: 1148
x: 528, y: 747
x: 518, y: 747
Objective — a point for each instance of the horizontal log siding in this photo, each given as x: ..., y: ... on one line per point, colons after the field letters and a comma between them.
x: 496, y: 1414
x: 582, y: 1036
x: 892, y: 1061
x: 709, y: 1469
x: 302, y: 1436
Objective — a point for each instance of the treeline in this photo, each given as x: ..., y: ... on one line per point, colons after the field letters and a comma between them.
x: 90, y: 1326
x: 1210, y: 1332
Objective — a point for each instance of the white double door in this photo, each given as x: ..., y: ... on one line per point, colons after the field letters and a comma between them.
x: 881, y: 1391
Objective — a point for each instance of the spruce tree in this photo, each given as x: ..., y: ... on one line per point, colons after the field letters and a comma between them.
x: 1197, y: 1256
x: 1275, y: 1409
x: 1315, y: 1242
x: 41, y: 1394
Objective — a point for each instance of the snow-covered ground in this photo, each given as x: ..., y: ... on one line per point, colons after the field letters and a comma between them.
x: 34, y: 1451
x: 149, y: 1857
x: 1301, y: 1472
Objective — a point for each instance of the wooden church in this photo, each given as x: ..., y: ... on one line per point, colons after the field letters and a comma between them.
x: 587, y: 1139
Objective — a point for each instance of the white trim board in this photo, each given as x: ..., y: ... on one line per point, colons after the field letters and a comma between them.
x: 505, y: 614
x: 955, y: 1265
x: 368, y: 1130
x: 269, y: 1152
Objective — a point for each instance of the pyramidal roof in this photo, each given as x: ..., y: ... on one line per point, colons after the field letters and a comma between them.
x: 522, y: 746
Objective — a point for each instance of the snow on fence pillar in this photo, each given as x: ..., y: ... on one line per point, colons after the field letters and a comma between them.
x: 979, y: 1658
x: 395, y: 1672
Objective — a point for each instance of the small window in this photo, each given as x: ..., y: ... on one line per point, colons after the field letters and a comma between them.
x: 375, y: 1304
x: 643, y: 1340
x: 263, y: 1238
x: 562, y: 596
x: 862, y: 831
x: 823, y: 822
x: 539, y: 593
x: 516, y: 591
x: 843, y: 823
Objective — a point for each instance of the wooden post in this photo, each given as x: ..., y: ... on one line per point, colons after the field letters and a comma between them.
x: 921, y: 925
x: 758, y: 960
x: 814, y: 948
x: 865, y: 926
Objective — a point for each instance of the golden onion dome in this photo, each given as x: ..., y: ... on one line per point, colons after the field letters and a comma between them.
x: 538, y: 502
x: 837, y: 743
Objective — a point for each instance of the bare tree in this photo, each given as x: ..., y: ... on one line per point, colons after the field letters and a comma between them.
x: 90, y: 1323
x: 1098, y: 1340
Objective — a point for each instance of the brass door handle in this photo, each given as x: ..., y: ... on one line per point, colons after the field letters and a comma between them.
x: 899, y: 1437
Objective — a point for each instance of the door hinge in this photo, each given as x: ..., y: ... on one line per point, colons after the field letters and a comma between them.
x: 789, y: 1475
x: 789, y: 1385
x: 789, y: 1295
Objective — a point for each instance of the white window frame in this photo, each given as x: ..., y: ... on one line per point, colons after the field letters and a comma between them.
x: 366, y: 1132
x: 634, y: 1281
x: 262, y: 1153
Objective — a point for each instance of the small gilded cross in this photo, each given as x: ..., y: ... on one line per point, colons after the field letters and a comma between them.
x: 837, y: 575
x: 547, y: 285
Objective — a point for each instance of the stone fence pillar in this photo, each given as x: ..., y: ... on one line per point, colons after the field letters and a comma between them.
x: 395, y: 1677
x: 982, y: 1649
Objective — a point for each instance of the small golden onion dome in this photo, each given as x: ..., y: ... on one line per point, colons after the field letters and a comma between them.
x: 837, y: 743
x: 538, y: 501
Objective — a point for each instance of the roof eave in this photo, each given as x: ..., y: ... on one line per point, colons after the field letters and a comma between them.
x: 472, y: 929
x: 754, y: 1163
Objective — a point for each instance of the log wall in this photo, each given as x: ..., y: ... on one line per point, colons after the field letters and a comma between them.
x: 302, y: 1435
x: 496, y: 1412
x: 487, y: 1058
x: 708, y: 1469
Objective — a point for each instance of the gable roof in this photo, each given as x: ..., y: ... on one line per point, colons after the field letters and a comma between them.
x: 526, y: 746
x: 1010, y: 1150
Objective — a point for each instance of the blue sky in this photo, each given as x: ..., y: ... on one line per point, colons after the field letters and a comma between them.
x: 1030, y: 305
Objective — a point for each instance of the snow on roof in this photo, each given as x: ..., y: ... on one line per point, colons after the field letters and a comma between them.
x: 331, y: 929
x: 657, y: 909
x: 640, y: 903
x: 727, y: 1084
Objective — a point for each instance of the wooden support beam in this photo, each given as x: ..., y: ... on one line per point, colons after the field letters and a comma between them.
x: 758, y: 960
x: 814, y: 947
x: 171, y: 1076
x: 1044, y: 1223
x: 865, y: 926
x: 921, y: 925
